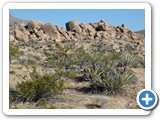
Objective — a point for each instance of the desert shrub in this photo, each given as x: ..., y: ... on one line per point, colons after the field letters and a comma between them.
x: 85, y: 59
x: 114, y: 56
x: 61, y: 57
x: 105, y: 77
x: 40, y: 86
x: 127, y: 60
x: 98, y: 102
x: 32, y: 43
x: 29, y: 59
x: 14, y: 51
x: 139, y: 63
x: 23, y: 60
x: 51, y: 62
x: 132, y: 61
x: 51, y: 59
x: 63, y: 52
x: 79, y: 57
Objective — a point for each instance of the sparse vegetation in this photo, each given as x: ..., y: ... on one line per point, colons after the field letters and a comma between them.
x: 78, y: 68
x: 40, y: 86
x: 108, y: 74
x: 14, y: 51
x: 29, y: 59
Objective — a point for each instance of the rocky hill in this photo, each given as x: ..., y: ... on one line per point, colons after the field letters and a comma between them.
x: 86, y: 65
x: 102, y: 34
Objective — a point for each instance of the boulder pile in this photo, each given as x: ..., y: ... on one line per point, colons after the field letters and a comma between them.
x: 118, y: 38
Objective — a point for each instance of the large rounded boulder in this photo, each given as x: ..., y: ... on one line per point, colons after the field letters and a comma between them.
x: 49, y: 30
x: 32, y: 25
x: 73, y: 26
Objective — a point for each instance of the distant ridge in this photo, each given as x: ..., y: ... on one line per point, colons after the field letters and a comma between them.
x: 13, y: 19
x: 142, y: 32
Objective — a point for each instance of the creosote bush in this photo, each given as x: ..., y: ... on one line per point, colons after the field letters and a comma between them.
x: 40, y: 86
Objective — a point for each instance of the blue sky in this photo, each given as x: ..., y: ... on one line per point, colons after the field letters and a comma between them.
x: 134, y: 19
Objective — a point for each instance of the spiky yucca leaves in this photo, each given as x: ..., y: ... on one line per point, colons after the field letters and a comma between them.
x: 116, y: 84
x: 64, y: 53
x: 105, y: 77
x: 40, y: 86
x: 127, y: 60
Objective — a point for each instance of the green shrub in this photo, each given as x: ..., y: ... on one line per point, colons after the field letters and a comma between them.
x: 114, y: 56
x: 61, y: 57
x: 14, y: 51
x: 40, y: 86
x: 80, y: 57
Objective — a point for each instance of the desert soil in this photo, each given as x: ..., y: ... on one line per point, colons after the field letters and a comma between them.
x: 74, y: 96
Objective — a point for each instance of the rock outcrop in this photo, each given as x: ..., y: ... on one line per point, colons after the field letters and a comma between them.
x: 117, y: 39
x: 19, y: 35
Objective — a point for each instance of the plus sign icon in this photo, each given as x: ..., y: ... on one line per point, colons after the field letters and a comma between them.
x: 147, y: 99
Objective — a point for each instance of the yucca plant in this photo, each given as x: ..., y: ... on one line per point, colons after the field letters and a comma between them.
x: 127, y: 60
x: 116, y: 84
x: 64, y: 53
x: 106, y: 78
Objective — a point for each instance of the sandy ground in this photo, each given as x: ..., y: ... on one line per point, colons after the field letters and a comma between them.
x: 74, y: 97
